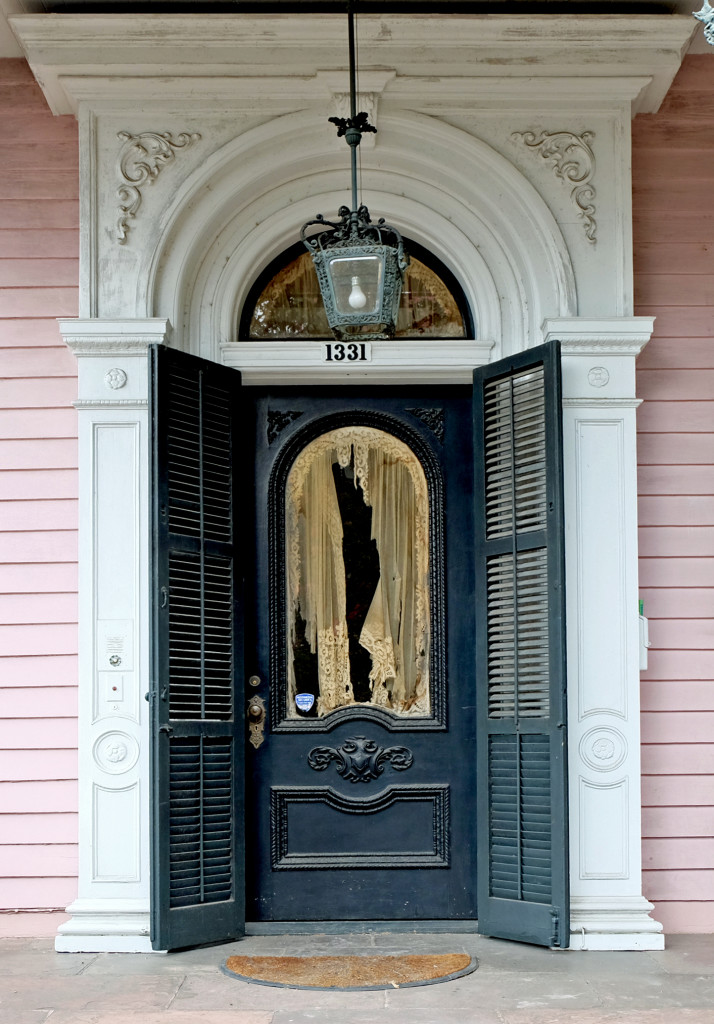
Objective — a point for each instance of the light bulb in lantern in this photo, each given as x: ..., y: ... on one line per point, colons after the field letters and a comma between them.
x: 357, y: 299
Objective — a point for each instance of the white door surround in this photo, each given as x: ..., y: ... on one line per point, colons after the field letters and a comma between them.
x: 475, y: 166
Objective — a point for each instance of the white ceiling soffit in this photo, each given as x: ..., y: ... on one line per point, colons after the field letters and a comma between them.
x: 118, y: 49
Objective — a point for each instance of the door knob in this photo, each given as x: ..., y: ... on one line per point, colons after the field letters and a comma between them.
x: 256, y: 720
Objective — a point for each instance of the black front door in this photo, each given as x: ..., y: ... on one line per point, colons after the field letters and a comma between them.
x: 360, y: 779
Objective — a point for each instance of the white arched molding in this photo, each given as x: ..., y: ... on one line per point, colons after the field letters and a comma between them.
x: 445, y: 188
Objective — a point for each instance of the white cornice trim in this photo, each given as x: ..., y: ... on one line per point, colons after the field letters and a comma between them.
x: 117, y: 47
x: 113, y: 337
x: 280, y: 94
x: 607, y: 335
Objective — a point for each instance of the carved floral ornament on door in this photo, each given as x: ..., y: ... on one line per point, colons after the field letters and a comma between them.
x: 360, y: 759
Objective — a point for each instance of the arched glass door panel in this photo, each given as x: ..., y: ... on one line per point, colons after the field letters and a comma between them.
x: 357, y: 579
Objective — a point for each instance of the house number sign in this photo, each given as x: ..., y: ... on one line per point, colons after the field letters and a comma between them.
x: 347, y: 352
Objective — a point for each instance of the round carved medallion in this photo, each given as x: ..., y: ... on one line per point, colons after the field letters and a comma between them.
x: 116, y: 752
x: 115, y: 378
x: 598, y: 376
x: 603, y: 748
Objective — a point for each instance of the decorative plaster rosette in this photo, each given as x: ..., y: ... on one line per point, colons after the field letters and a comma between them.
x: 603, y: 748
x: 598, y: 376
x: 573, y: 162
x: 141, y: 159
x: 116, y: 752
x: 115, y: 378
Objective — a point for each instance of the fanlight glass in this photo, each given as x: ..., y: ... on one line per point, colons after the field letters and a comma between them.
x: 288, y: 306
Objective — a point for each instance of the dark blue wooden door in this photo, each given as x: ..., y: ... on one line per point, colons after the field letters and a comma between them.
x: 361, y: 783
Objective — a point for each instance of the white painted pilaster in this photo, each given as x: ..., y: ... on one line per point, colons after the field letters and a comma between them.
x: 111, y: 912
x: 608, y: 910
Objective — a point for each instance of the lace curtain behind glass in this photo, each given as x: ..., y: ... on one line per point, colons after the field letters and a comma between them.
x: 396, y: 627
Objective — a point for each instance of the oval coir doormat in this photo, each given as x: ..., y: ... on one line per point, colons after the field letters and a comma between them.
x: 350, y: 972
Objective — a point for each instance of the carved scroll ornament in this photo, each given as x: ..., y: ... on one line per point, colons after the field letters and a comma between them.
x: 278, y: 420
x: 573, y: 162
x: 433, y: 419
x: 360, y: 759
x: 141, y: 159
x: 706, y: 16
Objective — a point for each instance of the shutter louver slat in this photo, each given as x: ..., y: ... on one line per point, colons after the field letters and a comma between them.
x: 520, y: 818
x: 201, y: 641
x: 200, y: 793
x: 184, y: 458
x: 515, y: 504
x: 217, y: 463
x: 199, y: 459
x: 518, y: 634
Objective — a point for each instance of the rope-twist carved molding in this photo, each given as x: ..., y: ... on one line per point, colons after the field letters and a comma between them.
x: 141, y: 159
x: 573, y: 162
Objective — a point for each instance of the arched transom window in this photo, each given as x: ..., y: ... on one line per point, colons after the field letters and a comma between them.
x: 284, y: 303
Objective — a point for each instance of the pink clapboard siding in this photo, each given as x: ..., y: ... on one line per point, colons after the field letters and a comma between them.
x: 673, y: 172
x: 38, y: 501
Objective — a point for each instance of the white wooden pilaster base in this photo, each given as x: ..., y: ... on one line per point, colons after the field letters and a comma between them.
x: 105, y: 926
x: 619, y: 923
x: 111, y: 913
x: 608, y: 910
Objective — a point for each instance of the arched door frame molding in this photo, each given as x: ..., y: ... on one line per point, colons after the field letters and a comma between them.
x: 447, y: 189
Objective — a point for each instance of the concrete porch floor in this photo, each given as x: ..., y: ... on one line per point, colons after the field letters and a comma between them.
x: 514, y: 984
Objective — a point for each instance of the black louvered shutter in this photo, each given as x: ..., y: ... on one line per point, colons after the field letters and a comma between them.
x: 520, y: 607
x: 197, y: 654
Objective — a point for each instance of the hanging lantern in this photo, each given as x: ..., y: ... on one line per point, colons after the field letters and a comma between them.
x: 360, y: 269
x: 360, y: 265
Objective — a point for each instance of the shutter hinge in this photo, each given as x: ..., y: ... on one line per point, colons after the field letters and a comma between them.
x: 555, y: 926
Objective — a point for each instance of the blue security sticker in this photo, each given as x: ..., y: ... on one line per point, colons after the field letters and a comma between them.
x: 304, y: 701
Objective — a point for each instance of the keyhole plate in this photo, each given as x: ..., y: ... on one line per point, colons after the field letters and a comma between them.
x: 256, y: 721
